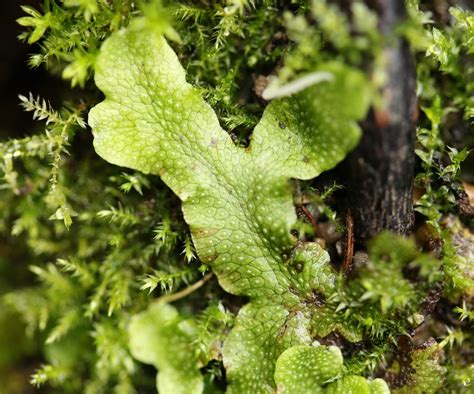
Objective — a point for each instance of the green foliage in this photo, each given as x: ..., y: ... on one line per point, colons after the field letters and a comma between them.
x: 97, y: 270
x: 240, y: 220
x: 446, y: 63
x: 465, y: 313
x: 159, y: 336
x: 458, y: 257
x: 39, y: 22
x: 437, y: 201
x: 448, y: 48
x: 382, y: 300
x: 461, y: 378
x: 75, y: 33
x: 425, y: 374
x: 60, y: 128
x: 306, y: 369
x: 101, y: 242
x: 315, y: 43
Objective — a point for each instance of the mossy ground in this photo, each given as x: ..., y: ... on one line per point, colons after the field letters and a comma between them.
x: 88, y: 247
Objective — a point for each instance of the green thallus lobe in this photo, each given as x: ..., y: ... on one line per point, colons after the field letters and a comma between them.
x: 237, y: 202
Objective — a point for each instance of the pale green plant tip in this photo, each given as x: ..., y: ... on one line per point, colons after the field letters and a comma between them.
x: 276, y: 91
x: 161, y: 337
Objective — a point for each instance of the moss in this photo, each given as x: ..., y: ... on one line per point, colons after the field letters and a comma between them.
x: 98, y: 243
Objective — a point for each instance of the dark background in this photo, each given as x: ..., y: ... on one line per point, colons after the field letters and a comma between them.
x: 15, y: 75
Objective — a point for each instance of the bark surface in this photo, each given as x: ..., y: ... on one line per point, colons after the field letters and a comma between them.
x: 381, y: 169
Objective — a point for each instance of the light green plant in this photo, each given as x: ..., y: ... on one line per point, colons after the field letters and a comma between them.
x: 159, y: 336
x: 237, y: 202
x: 306, y: 369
